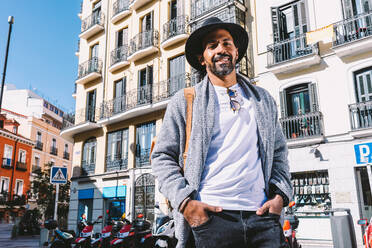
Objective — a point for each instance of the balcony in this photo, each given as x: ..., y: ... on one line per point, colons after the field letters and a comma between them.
x: 21, y: 166
x: 175, y: 31
x: 66, y: 155
x: 84, y: 120
x: 119, y: 58
x: 203, y: 7
x: 92, y: 25
x: 143, y: 44
x: 7, y: 163
x: 77, y: 53
x: 87, y: 168
x: 143, y: 158
x: 53, y: 150
x: 353, y: 36
x: 142, y: 101
x: 301, y: 130
x: 292, y: 55
x: 361, y: 119
x: 120, y: 9
x: 136, y: 4
x: 89, y: 70
x: 116, y: 163
x: 39, y: 145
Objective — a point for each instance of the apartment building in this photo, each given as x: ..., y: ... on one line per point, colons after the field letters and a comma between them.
x: 323, y: 91
x: 131, y: 62
x: 40, y: 121
x: 15, y: 154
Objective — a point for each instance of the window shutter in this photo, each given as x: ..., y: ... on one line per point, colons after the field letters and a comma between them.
x: 313, y: 97
x: 283, y: 103
x: 275, y: 23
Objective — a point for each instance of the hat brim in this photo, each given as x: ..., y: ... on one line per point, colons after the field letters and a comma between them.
x: 194, y: 46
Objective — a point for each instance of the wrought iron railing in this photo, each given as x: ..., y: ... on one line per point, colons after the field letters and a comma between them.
x: 361, y: 115
x: 89, y: 114
x: 143, y: 157
x: 116, y: 162
x: 97, y: 18
x: 87, y: 168
x: 302, y: 126
x: 287, y: 50
x: 66, y: 155
x: 175, y: 27
x: 53, y: 150
x: 21, y: 166
x: 202, y: 7
x: 7, y: 163
x: 120, y: 6
x: 143, y: 40
x: 352, y: 29
x: 78, y: 47
x: 147, y: 94
x: 39, y: 145
x: 119, y: 54
x: 90, y: 66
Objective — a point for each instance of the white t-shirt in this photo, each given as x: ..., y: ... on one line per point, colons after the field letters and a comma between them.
x: 232, y: 177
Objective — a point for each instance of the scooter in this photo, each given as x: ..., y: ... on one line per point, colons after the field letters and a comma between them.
x: 125, y: 236
x: 85, y: 238
x: 142, y: 233
x: 290, y: 225
x: 108, y: 232
x: 60, y: 239
x: 367, y: 237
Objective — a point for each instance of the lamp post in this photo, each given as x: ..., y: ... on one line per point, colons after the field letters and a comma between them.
x: 10, y: 21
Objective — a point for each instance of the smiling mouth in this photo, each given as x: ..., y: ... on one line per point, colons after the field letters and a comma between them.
x: 224, y: 59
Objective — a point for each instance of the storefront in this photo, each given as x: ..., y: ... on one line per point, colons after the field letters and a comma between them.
x: 114, y: 201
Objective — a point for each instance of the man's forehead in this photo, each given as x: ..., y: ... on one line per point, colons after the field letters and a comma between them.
x: 217, y: 34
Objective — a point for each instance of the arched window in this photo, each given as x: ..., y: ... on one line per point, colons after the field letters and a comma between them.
x: 144, y: 198
x: 88, y: 162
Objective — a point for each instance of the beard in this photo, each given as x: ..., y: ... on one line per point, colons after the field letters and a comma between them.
x: 222, y: 69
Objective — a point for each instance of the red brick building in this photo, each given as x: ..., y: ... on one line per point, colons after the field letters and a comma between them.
x: 15, y: 160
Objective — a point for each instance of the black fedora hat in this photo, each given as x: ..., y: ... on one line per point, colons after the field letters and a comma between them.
x: 194, y: 46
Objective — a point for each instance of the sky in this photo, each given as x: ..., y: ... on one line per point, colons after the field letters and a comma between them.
x: 42, y: 49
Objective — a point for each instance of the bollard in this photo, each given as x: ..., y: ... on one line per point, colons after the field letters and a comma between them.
x: 44, y: 235
x: 343, y: 233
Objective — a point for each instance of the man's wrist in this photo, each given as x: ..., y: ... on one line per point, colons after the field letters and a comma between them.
x: 183, y: 204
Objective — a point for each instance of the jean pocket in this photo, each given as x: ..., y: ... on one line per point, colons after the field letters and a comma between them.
x: 203, y: 225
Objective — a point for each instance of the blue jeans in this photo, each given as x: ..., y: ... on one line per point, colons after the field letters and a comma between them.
x: 240, y: 229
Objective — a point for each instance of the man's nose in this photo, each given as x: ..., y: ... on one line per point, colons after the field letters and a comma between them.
x: 220, y: 49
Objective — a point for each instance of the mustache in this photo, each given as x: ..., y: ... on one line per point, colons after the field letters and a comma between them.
x: 220, y: 56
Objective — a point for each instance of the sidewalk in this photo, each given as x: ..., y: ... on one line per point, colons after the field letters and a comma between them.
x: 19, y: 242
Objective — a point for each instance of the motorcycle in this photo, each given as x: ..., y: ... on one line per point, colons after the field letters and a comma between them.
x: 60, y: 239
x: 163, y: 230
x: 85, y: 238
x: 291, y: 223
x: 367, y: 237
x: 108, y: 232
x: 123, y: 238
x: 142, y: 233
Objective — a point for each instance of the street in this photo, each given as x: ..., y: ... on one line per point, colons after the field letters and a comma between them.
x: 21, y: 241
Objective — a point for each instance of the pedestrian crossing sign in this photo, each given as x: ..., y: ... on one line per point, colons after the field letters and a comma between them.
x: 58, y: 174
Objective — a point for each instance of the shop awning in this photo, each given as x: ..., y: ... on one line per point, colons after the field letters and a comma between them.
x: 86, y: 194
x: 115, y: 191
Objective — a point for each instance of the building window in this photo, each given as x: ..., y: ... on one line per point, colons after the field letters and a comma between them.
x: 144, y: 93
x: 120, y: 95
x: 173, y: 9
x: 147, y: 22
x: 122, y: 37
x: 66, y: 147
x: 15, y: 129
x: 117, y: 150
x: 144, y: 136
x: 91, y: 106
x: 89, y: 156
x: 177, y: 77
x: 8, y: 154
x: 45, y: 104
x: 363, y: 85
x: 354, y: 7
x: 94, y: 51
x: 311, y: 191
x: 22, y: 156
x: 54, y: 142
x: 144, y: 196
x: 18, y: 189
x: 37, y: 161
x: 4, y: 185
x: 97, y: 12
x: 85, y: 206
x: 38, y: 136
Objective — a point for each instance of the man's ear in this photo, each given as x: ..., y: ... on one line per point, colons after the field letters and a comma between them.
x: 201, y: 60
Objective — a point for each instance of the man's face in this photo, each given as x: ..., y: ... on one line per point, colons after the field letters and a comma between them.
x: 220, y: 53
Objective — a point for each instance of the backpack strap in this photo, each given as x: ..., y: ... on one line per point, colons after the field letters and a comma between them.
x: 189, y: 95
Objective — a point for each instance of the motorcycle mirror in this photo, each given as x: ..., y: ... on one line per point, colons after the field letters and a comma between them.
x: 100, y: 217
x: 291, y: 204
x: 363, y: 222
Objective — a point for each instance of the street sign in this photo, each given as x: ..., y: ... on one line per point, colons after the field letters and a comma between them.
x: 363, y: 153
x: 58, y: 174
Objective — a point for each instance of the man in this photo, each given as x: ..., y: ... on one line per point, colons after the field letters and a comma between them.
x: 236, y: 179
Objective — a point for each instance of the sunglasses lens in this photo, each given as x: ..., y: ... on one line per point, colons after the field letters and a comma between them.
x: 235, y: 105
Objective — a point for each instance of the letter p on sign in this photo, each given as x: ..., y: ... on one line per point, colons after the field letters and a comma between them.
x: 363, y: 153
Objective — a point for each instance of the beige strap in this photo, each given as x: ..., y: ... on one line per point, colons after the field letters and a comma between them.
x: 153, y: 142
x: 189, y: 95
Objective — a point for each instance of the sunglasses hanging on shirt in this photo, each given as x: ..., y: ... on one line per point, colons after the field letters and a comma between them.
x: 234, y: 101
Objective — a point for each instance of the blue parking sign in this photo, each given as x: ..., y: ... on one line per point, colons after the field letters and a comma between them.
x: 58, y: 174
x: 363, y: 153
